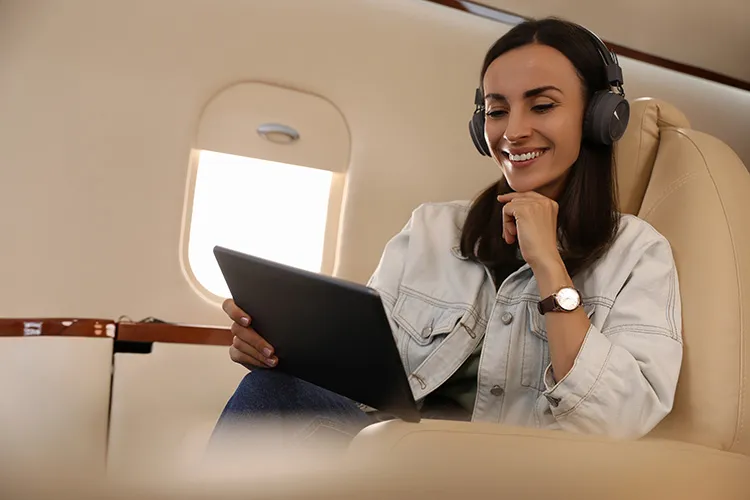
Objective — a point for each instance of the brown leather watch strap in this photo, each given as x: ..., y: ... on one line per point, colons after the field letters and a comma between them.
x: 547, y: 305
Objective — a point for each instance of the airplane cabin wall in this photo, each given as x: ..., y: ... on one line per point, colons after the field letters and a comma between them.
x: 100, y: 103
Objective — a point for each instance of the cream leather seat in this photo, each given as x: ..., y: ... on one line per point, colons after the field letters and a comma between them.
x: 164, y: 406
x: 54, y: 395
x: 694, y: 190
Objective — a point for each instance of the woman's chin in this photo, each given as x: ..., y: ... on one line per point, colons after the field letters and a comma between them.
x: 523, y: 185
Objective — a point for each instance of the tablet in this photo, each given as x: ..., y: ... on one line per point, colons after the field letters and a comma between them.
x: 330, y: 332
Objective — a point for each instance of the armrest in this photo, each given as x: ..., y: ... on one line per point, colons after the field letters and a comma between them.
x: 437, y: 461
x: 530, y: 463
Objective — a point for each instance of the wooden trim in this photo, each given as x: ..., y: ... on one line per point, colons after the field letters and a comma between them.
x: 679, y: 67
x: 620, y: 50
x: 179, y: 334
x: 57, y: 327
x: 453, y: 4
x: 107, y: 328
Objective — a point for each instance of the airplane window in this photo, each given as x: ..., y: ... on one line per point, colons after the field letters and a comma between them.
x: 271, y: 210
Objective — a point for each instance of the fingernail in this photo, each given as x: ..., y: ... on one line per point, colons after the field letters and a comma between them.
x: 267, y: 352
x: 244, y: 321
x: 271, y: 362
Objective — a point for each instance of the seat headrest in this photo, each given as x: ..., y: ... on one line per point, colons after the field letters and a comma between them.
x: 635, y: 152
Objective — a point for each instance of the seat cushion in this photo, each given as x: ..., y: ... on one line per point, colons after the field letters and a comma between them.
x: 55, y: 402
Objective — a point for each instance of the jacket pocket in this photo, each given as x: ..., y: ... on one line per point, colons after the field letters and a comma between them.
x: 425, y: 319
x: 536, y: 355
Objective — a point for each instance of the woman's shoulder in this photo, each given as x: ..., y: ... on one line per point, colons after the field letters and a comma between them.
x: 639, y: 255
x: 636, y: 238
x: 632, y: 227
x: 440, y: 216
x: 455, y: 208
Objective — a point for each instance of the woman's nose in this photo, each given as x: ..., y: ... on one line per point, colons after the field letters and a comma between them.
x: 518, y: 127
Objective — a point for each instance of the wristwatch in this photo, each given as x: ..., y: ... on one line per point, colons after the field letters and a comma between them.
x: 566, y: 299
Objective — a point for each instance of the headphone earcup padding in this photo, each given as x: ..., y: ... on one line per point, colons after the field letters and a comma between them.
x: 476, y: 130
x: 606, y: 117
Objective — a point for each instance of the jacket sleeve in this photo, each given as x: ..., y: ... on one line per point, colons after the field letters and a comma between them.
x: 624, y: 378
x: 387, y: 276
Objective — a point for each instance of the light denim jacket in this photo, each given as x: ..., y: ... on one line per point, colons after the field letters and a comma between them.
x: 441, y: 306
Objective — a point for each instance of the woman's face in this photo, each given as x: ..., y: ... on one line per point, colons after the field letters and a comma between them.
x: 534, y: 103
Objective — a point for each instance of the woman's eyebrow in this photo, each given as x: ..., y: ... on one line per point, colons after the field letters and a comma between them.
x: 529, y: 93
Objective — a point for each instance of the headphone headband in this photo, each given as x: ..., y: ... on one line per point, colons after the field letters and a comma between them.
x: 612, y: 68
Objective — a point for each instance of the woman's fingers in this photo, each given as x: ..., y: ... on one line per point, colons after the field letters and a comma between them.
x: 251, y: 337
x: 243, y: 359
x: 243, y: 353
x: 235, y: 313
x: 248, y: 348
x: 509, y: 223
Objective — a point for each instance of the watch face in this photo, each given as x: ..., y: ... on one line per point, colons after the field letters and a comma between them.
x: 568, y: 298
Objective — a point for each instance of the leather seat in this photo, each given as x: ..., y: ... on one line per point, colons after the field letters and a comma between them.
x: 694, y: 190
x: 54, y: 393
x: 164, y: 406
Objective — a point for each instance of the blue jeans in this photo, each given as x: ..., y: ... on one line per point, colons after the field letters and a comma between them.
x: 304, y: 410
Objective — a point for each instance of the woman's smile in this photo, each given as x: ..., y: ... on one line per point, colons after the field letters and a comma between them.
x: 519, y: 158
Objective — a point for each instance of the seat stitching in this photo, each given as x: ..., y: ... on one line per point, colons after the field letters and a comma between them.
x: 674, y: 186
x: 739, y: 426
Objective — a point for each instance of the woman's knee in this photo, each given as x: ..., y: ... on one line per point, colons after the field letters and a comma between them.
x: 303, y: 409
x: 262, y: 389
x: 268, y: 391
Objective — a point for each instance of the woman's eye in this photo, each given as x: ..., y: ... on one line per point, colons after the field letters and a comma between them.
x: 497, y: 113
x: 542, y: 108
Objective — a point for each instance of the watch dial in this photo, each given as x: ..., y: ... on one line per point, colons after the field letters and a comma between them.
x: 568, y: 298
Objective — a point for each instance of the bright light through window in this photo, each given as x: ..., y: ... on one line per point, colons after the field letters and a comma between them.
x: 271, y: 210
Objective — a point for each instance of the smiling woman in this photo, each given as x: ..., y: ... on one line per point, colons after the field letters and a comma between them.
x: 555, y: 310
x: 548, y: 118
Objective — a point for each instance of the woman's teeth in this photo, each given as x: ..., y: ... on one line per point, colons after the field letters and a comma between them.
x: 526, y: 156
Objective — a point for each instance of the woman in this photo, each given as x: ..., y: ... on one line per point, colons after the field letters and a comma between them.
x: 538, y: 304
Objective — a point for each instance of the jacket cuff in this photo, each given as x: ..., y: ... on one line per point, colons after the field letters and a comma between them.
x: 571, y: 391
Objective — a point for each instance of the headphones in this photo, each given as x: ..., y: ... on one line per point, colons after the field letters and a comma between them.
x: 607, y: 114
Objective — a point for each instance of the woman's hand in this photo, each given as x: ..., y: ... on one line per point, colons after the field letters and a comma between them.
x: 531, y: 218
x: 248, y: 348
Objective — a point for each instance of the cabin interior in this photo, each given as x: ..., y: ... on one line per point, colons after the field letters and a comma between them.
x: 138, y: 134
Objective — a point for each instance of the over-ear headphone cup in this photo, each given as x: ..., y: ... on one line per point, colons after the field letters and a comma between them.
x: 606, y: 117
x: 621, y: 116
x: 476, y: 130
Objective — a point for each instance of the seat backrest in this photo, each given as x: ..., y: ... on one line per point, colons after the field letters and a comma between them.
x: 696, y: 192
x: 55, y: 386
x: 165, y: 404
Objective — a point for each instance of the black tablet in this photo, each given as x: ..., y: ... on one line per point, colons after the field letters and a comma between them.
x: 327, y: 331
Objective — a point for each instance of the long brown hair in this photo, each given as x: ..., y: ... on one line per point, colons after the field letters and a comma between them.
x: 588, y: 215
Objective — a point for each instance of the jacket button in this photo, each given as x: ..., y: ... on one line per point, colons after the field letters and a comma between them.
x: 506, y: 318
x: 427, y: 331
x: 496, y: 390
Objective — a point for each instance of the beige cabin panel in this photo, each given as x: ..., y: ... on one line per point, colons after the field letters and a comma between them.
x: 234, y: 119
